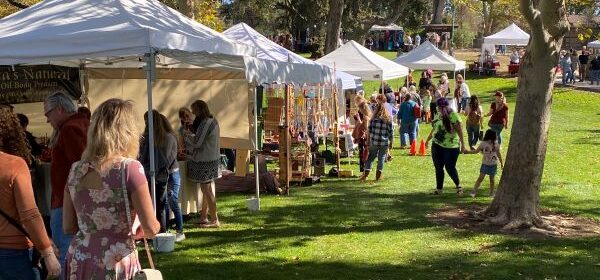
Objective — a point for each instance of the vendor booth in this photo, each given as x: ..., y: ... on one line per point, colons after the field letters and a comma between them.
x: 594, y: 44
x: 390, y: 37
x: 509, y: 36
x: 306, y: 106
x: 269, y: 50
x: 147, y: 52
x: 427, y: 56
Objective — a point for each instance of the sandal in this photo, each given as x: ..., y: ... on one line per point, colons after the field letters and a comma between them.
x: 211, y: 225
x: 203, y: 222
x: 437, y: 192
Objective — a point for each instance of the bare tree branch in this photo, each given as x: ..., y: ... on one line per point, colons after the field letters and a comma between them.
x: 17, y: 4
x: 530, y: 13
x: 557, y: 29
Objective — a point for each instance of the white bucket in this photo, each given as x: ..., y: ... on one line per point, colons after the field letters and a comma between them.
x: 164, y: 242
x: 253, y: 204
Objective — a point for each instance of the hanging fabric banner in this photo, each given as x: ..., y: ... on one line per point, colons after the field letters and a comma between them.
x: 28, y: 84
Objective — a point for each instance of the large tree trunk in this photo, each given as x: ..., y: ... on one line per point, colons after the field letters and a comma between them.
x: 517, y: 200
x: 438, y: 11
x: 187, y: 7
x: 334, y: 22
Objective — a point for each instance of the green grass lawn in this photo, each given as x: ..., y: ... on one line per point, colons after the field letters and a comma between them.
x: 343, y: 229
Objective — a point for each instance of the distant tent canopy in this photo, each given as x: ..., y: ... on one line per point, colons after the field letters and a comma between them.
x: 390, y: 27
x: 594, y: 44
x: 427, y: 56
x: 357, y: 60
x: 511, y: 35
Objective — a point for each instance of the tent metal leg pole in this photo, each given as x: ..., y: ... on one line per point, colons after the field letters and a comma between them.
x: 150, y: 72
x: 256, y: 170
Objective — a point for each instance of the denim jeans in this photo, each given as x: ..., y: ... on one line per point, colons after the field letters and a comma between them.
x: 464, y: 102
x: 173, y: 186
x: 566, y: 75
x: 472, y: 134
x: 445, y: 157
x: 407, y: 129
x: 60, y: 238
x: 15, y: 264
x: 379, y: 152
x: 497, y: 127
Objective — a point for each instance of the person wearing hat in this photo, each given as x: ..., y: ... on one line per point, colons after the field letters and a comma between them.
x: 448, y: 143
x: 499, y: 115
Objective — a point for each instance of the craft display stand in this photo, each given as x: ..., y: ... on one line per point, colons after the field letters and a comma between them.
x: 294, y: 119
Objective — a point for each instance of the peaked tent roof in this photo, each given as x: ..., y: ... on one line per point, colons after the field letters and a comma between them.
x: 511, y: 35
x: 269, y: 50
x: 64, y: 31
x: 265, y: 48
x: 59, y: 29
x: 355, y: 59
x: 594, y: 44
x: 392, y: 26
x: 427, y: 56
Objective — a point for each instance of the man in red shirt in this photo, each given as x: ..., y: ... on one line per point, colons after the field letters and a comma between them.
x: 67, y: 146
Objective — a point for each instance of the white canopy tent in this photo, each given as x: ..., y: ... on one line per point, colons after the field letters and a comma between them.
x: 391, y: 27
x: 112, y: 40
x: 594, y: 44
x: 269, y: 50
x: 511, y: 35
x: 357, y: 60
x: 427, y: 56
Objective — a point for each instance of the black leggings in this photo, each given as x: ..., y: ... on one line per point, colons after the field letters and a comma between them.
x: 445, y: 157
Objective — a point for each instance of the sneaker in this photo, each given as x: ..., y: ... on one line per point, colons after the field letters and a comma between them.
x: 473, y: 193
x: 179, y: 237
x: 492, y: 194
x: 459, y: 191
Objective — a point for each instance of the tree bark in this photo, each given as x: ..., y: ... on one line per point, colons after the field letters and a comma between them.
x: 438, y: 11
x: 334, y: 23
x: 516, y: 202
x: 187, y: 8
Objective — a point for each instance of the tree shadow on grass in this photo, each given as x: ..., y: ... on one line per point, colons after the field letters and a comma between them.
x: 506, y: 259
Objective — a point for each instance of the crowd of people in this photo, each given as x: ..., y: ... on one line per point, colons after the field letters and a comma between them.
x: 439, y: 105
x: 101, y: 200
x: 586, y: 65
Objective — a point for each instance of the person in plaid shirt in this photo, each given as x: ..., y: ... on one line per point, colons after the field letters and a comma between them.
x: 380, y: 136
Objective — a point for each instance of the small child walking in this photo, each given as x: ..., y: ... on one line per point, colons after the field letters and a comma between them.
x: 426, y: 117
x: 491, y: 156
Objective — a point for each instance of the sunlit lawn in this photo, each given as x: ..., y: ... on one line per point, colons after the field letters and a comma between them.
x: 343, y: 229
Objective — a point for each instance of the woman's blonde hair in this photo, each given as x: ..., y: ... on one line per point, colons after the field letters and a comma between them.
x: 113, y: 132
x: 381, y: 113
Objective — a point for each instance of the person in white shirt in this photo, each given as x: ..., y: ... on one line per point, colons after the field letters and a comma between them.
x: 462, y: 92
x: 514, y: 57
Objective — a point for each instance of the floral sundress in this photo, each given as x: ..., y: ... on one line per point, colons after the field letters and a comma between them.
x: 103, y: 249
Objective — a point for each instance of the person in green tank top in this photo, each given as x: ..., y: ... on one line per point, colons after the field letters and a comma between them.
x: 447, y: 136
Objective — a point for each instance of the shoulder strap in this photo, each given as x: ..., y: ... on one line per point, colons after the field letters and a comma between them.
x: 124, y: 164
x: 14, y: 223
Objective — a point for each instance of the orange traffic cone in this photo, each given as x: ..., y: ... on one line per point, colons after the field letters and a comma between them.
x: 422, y: 148
x: 413, y: 148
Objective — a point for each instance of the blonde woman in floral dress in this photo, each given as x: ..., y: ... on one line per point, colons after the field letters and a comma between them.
x: 94, y: 205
